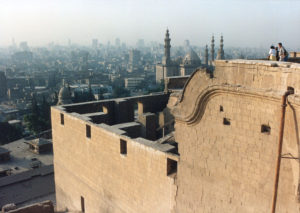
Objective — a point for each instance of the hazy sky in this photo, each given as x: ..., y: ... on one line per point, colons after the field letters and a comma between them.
x: 243, y: 22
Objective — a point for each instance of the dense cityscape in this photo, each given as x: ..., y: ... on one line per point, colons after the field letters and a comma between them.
x: 34, y: 76
x: 132, y: 106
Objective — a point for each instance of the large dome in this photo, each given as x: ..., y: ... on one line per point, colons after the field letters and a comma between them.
x: 191, y: 58
x: 64, y: 96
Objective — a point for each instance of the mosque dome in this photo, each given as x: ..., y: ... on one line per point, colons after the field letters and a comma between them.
x: 191, y: 58
x: 64, y: 96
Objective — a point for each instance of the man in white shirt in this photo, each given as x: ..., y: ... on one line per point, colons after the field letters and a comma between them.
x: 283, y: 54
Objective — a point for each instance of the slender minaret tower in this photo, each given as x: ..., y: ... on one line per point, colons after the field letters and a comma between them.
x: 206, y: 56
x: 212, y: 50
x: 222, y: 48
x: 221, y: 55
x: 167, y: 58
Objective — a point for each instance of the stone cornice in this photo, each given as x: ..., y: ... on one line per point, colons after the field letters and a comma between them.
x: 210, y: 92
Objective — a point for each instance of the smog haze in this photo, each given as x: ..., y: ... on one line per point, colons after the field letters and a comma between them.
x: 243, y: 23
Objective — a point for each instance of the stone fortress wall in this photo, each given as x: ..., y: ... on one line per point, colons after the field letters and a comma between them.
x: 97, y: 172
x: 227, y: 129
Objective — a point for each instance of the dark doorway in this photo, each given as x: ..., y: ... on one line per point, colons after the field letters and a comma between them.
x: 82, y: 204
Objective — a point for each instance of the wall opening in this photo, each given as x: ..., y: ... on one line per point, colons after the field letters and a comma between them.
x: 265, y: 129
x: 135, y: 110
x: 221, y: 108
x: 88, y: 131
x: 62, y: 119
x: 291, y: 89
x: 123, y: 147
x: 226, y: 121
x: 82, y: 204
x: 105, y: 109
x: 171, y: 167
x: 140, y: 108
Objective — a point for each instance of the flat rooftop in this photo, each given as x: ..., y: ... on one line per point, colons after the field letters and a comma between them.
x: 21, y: 158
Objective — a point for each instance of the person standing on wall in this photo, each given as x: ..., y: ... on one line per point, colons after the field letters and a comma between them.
x: 277, y: 54
x: 283, y: 54
x: 272, y: 53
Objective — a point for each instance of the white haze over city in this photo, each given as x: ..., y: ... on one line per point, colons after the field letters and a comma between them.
x: 244, y: 23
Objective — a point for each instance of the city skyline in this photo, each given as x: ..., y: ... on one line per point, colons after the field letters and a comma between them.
x: 243, y: 23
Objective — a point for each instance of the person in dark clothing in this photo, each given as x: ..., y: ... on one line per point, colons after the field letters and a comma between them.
x: 277, y: 54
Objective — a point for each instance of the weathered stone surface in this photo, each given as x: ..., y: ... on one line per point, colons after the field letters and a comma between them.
x: 227, y: 129
x: 94, y: 169
x: 231, y: 168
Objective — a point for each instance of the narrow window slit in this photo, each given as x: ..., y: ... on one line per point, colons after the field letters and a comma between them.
x: 226, y: 121
x: 171, y: 167
x: 221, y: 108
x: 123, y: 147
x: 265, y: 129
x: 88, y: 131
x: 82, y: 204
x: 291, y: 89
x: 62, y: 119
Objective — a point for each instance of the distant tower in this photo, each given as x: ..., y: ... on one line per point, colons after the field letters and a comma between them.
x: 167, y: 68
x: 167, y: 58
x: 84, y: 57
x: 134, y: 59
x: 3, y: 86
x: 221, y: 55
x: 206, y: 56
x: 186, y: 45
x: 212, y: 50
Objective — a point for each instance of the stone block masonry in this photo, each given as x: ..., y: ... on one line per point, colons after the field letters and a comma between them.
x: 94, y: 173
x: 227, y: 130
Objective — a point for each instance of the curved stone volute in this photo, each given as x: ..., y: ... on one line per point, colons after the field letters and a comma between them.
x: 263, y: 77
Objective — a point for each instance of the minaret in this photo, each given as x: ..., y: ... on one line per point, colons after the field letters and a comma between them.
x: 212, y: 50
x: 221, y: 55
x: 206, y: 56
x: 167, y: 58
x: 222, y: 47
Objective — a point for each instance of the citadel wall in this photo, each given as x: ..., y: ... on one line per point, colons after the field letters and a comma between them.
x: 227, y: 130
x: 226, y: 126
x: 95, y: 173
